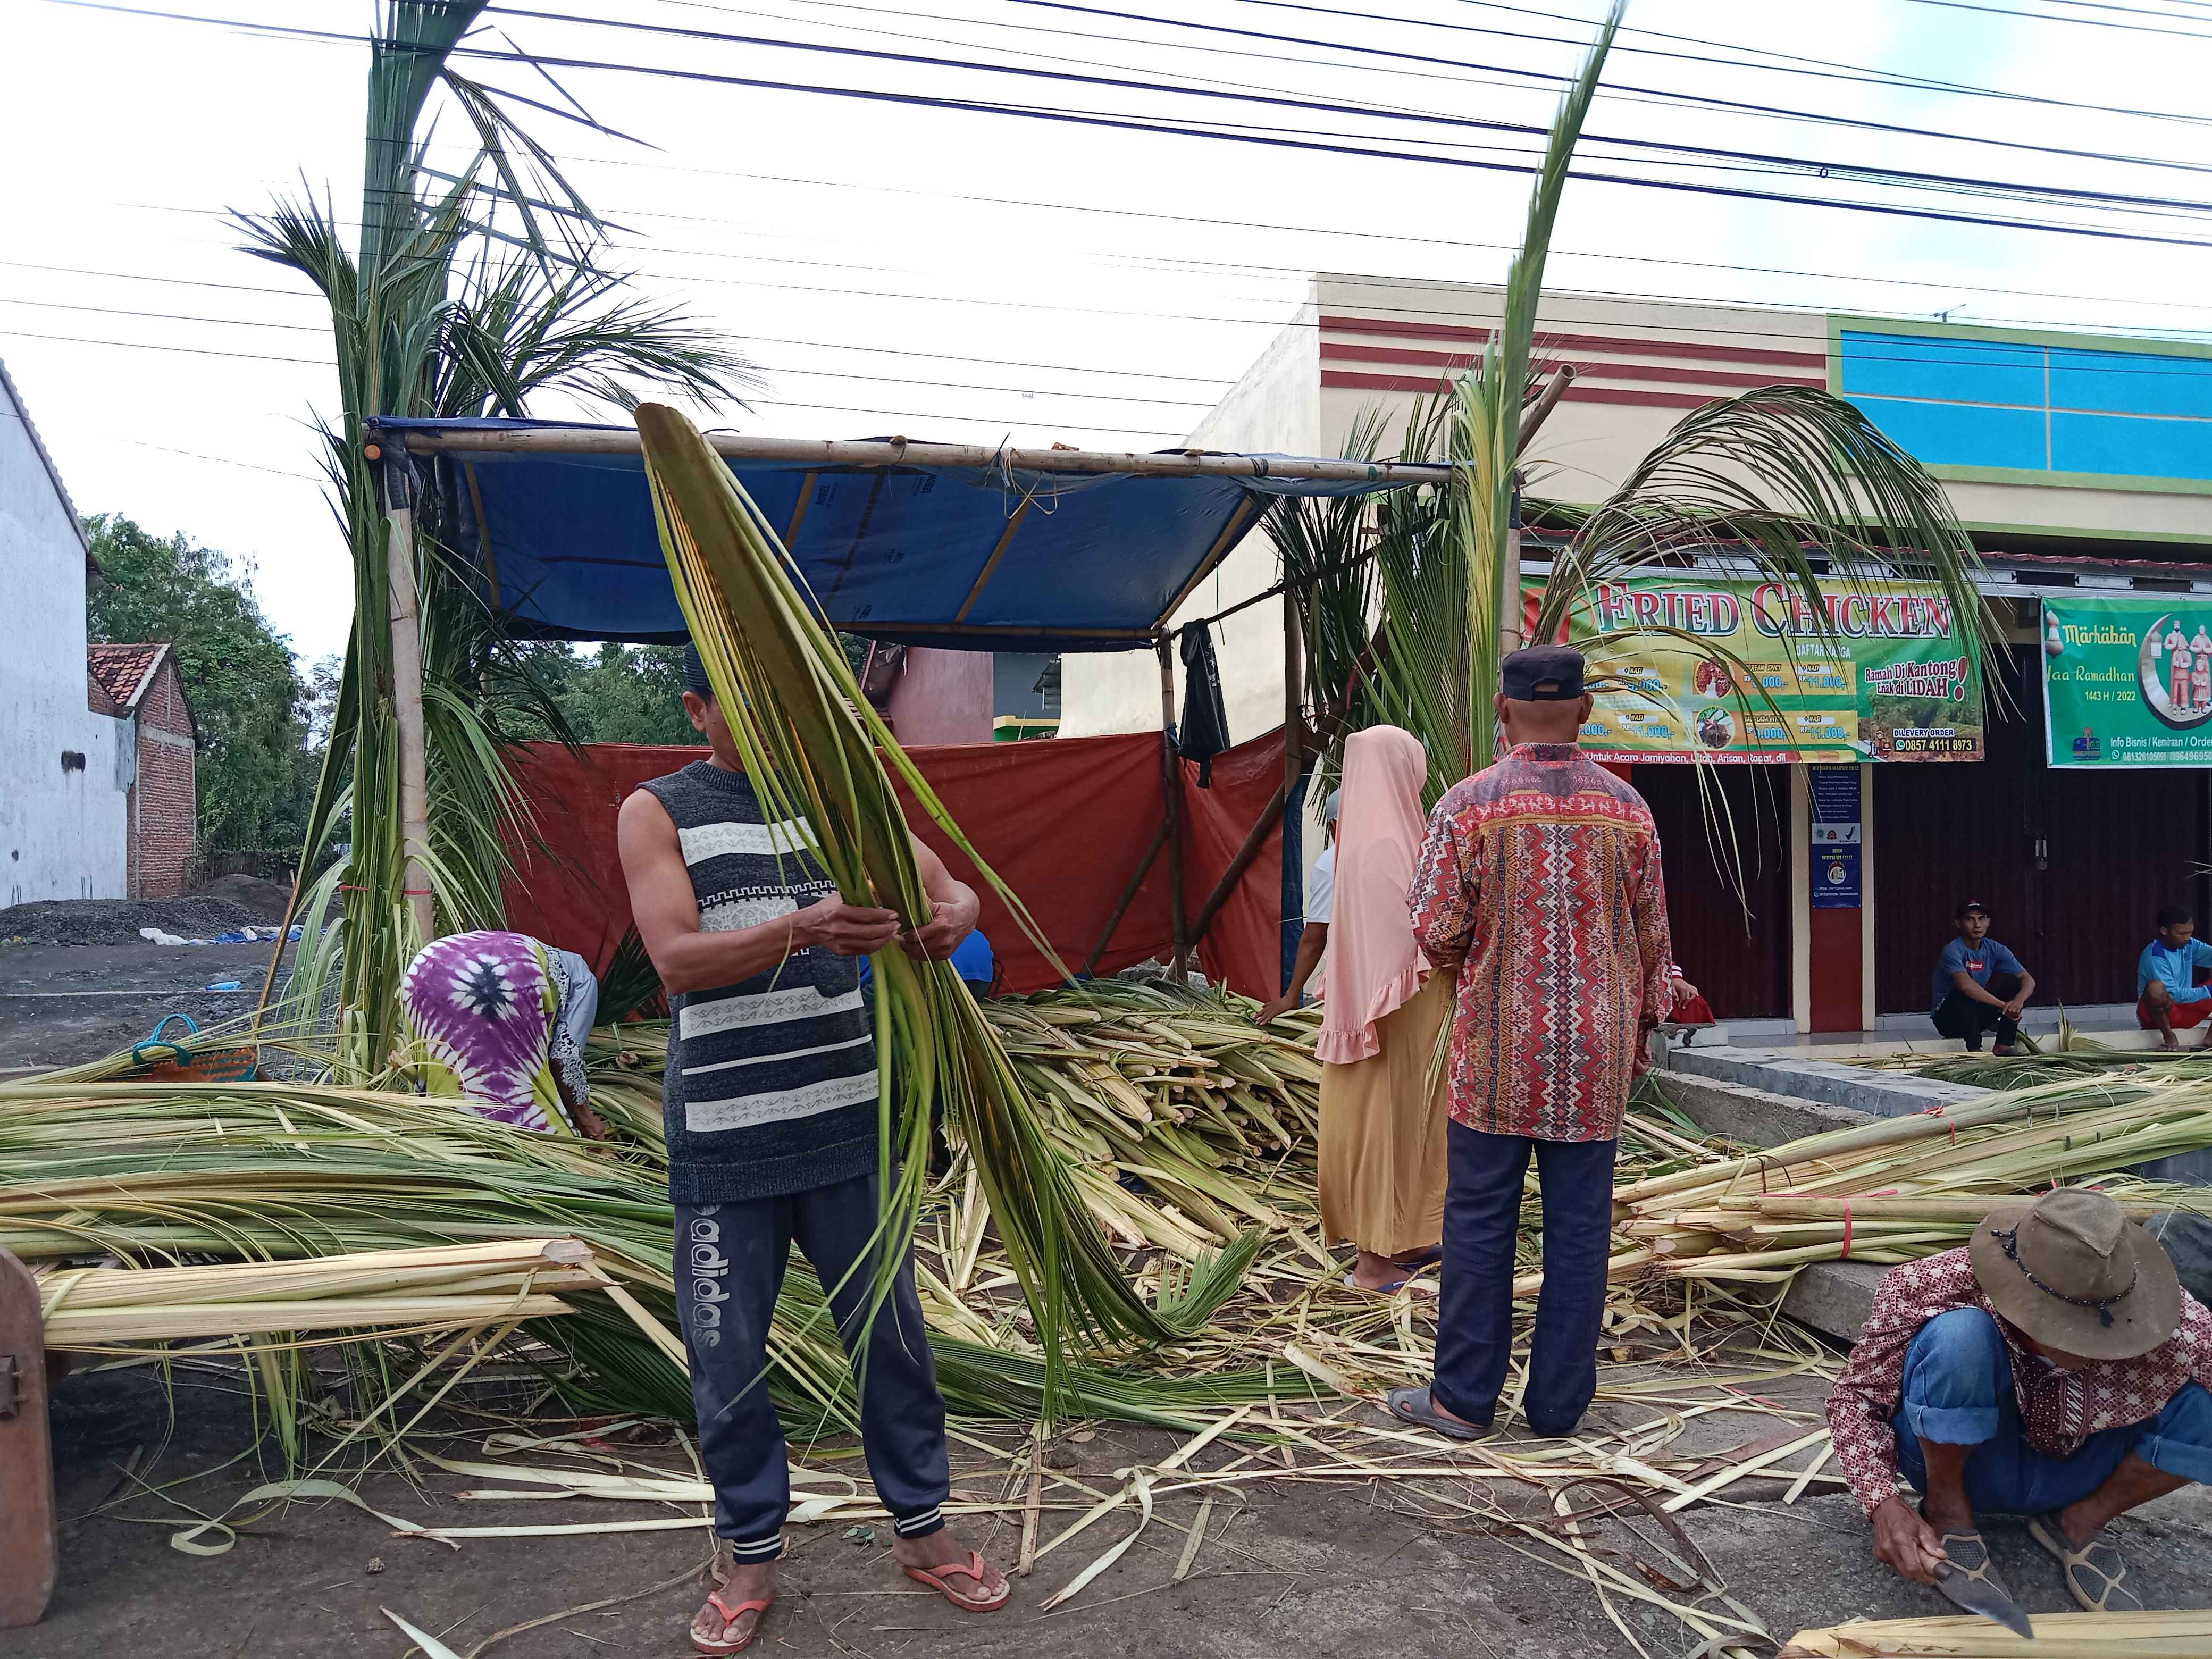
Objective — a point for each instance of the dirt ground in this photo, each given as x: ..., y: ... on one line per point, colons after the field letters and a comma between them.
x: 1327, y: 1567
x: 1372, y: 1569
x: 63, y: 1005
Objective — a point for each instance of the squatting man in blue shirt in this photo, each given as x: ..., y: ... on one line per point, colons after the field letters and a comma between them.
x: 2170, y: 979
x: 1979, y: 985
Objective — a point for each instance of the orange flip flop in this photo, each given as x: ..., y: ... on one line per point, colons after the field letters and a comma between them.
x: 730, y: 1616
x: 935, y: 1577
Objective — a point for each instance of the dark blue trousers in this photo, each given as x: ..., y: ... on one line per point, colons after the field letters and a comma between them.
x: 730, y: 1261
x: 1474, y: 1314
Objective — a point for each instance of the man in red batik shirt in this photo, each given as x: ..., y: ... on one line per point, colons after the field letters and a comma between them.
x: 1539, y: 886
x: 2054, y: 1368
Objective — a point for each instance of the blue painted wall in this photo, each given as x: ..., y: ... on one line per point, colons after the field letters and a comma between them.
x: 2028, y: 408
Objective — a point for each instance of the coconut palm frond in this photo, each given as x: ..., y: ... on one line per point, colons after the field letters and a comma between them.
x: 1484, y: 427
x: 514, y: 333
x: 1796, y: 484
x: 431, y: 314
x: 1327, y: 571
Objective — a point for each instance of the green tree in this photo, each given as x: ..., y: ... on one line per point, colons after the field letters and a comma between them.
x: 630, y: 693
x: 237, y: 670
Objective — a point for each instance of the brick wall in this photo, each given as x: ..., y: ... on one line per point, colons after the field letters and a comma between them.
x: 163, y: 806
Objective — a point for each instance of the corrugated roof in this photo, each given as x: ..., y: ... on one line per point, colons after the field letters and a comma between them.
x: 124, y: 671
x: 54, y: 472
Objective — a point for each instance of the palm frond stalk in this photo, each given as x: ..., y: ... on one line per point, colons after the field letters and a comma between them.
x: 468, y: 293
x: 816, y: 752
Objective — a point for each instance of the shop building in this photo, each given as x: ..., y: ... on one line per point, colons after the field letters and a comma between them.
x: 2080, y: 465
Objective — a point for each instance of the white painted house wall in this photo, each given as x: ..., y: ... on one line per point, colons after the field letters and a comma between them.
x: 1275, y: 409
x: 62, y: 833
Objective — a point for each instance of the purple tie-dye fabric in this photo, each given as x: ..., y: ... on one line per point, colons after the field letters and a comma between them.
x: 483, y: 1007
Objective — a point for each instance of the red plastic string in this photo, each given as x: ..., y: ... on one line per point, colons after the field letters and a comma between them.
x: 1938, y: 1111
x: 1847, y: 1230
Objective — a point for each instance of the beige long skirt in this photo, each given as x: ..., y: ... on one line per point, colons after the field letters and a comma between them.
x: 1383, y: 1159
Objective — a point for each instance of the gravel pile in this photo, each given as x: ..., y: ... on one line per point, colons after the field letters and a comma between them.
x: 117, y: 921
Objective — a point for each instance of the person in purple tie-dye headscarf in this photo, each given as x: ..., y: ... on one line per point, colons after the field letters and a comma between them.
x: 499, y: 1020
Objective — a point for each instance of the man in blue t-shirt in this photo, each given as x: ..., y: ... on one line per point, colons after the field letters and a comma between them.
x: 2170, y: 979
x: 1980, y: 985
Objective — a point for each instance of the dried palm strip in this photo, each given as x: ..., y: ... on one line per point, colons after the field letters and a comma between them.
x: 2179, y: 1635
x: 444, y: 1287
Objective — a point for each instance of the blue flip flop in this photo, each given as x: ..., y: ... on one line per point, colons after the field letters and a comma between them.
x: 1391, y: 1288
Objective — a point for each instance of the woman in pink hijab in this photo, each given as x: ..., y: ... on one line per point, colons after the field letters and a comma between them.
x: 1382, y: 1162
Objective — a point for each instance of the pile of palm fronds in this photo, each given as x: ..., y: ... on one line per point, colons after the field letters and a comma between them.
x: 1901, y: 1188
x: 2078, y: 1057
x: 1177, y: 1092
x: 1182, y: 1124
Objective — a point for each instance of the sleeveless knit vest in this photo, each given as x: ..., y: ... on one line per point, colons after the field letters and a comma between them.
x: 771, y: 1083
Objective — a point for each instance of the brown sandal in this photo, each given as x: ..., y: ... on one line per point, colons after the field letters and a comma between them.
x: 2095, y: 1565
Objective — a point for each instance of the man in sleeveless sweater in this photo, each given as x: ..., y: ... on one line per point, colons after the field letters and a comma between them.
x: 771, y: 1105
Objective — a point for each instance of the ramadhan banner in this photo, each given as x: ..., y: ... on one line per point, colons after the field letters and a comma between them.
x: 1889, y: 680
x: 2128, y: 682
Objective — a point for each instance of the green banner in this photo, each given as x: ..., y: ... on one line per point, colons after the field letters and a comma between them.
x: 1883, y: 677
x: 2128, y: 682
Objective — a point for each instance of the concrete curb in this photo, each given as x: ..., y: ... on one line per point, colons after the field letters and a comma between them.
x: 1756, y: 1117
x: 1878, y: 1094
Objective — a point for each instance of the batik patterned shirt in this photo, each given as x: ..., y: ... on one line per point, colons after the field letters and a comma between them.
x: 1544, y: 870
x: 2059, y: 1410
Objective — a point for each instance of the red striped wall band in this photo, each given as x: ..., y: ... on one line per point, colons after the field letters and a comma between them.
x: 1551, y: 341
x: 1332, y: 350
x: 1577, y: 393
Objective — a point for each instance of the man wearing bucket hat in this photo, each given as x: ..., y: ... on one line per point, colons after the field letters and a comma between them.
x: 2054, y: 1368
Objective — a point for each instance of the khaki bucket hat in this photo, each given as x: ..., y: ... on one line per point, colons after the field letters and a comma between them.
x: 2075, y: 1273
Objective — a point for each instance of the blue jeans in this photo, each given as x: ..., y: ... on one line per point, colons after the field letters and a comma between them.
x: 1475, y: 1312
x: 1958, y: 1392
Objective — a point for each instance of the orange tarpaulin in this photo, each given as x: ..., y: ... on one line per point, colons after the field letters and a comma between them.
x: 1065, y: 823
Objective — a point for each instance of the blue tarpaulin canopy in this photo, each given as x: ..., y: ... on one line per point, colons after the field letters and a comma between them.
x: 559, y: 525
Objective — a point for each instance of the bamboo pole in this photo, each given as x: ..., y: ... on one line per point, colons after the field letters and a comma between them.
x: 899, y: 452
x: 1129, y: 893
x: 1255, y: 839
x: 1172, y: 786
x: 1509, y: 624
x: 407, y: 693
x: 1510, y: 611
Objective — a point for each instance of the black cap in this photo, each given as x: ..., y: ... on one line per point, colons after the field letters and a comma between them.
x: 1543, y: 673
x: 1965, y: 905
x: 694, y: 674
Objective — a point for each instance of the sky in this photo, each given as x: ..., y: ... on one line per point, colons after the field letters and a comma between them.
x: 973, y: 276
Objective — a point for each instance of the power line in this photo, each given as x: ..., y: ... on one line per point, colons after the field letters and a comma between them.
x: 1288, y: 137
x: 1278, y: 139
x: 1821, y: 69
x: 2078, y: 23
x: 1794, y: 339
x: 1612, y: 90
x: 1864, y: 172
x: 1933, y: 283
x: 1964, y: 346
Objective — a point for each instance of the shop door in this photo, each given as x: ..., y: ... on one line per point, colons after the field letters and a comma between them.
x: 1739, y: 960
x: 2072, y: 865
